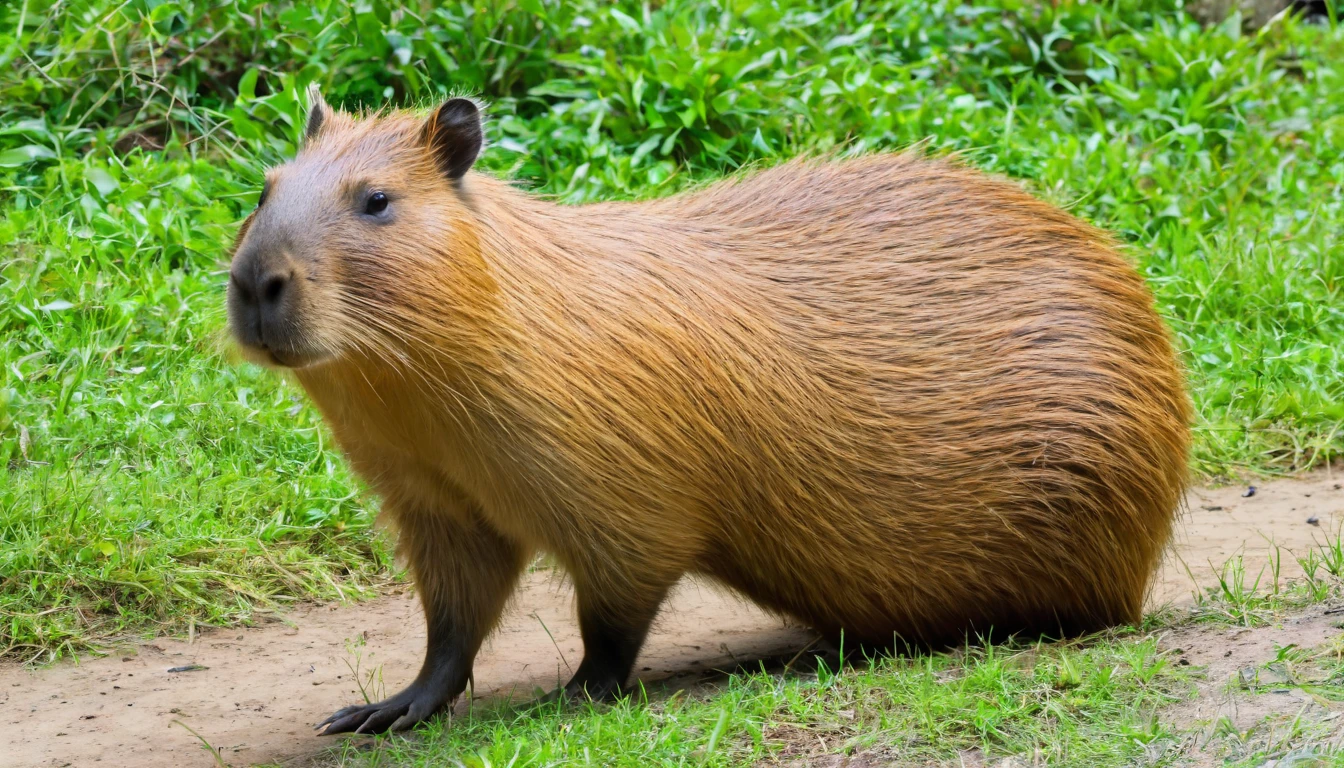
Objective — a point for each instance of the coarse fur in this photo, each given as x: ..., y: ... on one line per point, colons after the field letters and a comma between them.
x: 889, y: 395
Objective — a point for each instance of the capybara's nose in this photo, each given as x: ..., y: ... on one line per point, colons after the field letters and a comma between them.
x: 265, y: 292
x: 260, y: 300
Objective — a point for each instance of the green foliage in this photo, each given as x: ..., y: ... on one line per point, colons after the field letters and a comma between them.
x: 145, y: 480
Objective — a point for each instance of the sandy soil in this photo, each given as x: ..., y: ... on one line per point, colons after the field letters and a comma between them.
x: 1221, y: 523
x: 254, y: 693
x: 1234, y: 662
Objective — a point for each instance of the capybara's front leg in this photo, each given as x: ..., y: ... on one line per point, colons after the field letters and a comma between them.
x: 465, y: 572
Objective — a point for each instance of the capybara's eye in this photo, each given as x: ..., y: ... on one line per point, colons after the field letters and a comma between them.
x: 377, y: 204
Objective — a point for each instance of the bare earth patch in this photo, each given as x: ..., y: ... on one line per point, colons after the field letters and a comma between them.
x: 1241, y: 688
x: 1221, y: 523
x: 255, y: 692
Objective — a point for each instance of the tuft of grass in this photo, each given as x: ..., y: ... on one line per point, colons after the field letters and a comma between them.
x: 1254, y: 599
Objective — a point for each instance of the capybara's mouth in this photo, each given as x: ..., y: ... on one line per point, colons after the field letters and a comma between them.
x: 264, y: 354
x: 290, y: 358
x: 278, y: 359
x: 275, y: 337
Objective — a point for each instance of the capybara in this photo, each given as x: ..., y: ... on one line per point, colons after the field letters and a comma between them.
x: 888, y: 396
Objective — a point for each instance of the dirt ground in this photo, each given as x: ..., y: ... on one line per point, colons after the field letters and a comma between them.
x: 255, y: 693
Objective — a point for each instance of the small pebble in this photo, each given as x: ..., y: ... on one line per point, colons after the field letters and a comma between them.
x: 1313, y: 520
x: 1249, y: 492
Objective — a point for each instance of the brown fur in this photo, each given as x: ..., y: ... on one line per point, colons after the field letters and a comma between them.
x: 886, y: 395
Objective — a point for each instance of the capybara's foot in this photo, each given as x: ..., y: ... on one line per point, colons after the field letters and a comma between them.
x: 396, y: 713
x: 599, y: 678
x: 583, y: 690
x: 604, y: 689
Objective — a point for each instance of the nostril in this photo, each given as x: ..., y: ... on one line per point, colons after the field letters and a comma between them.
x: 273, y: 287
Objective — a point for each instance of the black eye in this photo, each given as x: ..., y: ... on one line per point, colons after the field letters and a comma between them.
x: 377, y: 204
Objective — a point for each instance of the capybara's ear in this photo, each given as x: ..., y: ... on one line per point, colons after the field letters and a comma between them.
x: 453, y: 134
x: 319, y: 113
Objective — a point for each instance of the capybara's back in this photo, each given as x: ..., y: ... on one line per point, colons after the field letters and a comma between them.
x: 888, y: 396
x: 973, y: 417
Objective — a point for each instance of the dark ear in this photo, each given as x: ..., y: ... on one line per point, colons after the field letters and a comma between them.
x: 453, y: 135
x: 319, y: 113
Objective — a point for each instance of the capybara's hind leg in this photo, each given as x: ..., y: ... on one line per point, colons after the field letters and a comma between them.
x: 614, y: 629
x: 465, y: 572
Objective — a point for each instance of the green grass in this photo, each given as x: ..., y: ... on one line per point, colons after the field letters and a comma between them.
x: 1253, y: 598
x: 1072, y: 704
x: 147, y: 484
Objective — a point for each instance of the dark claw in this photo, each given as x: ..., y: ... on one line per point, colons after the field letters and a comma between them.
x: 578, y: 690
x: 396, y: 713
x: 340, y: 713
x: 352, y: 719
x: 379, y: 720
x: 605, y: 690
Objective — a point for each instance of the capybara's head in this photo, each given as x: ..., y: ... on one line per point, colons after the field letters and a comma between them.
x: 341, y: 230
